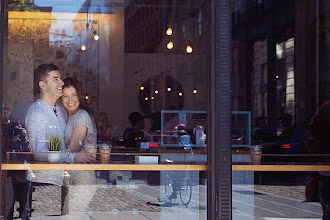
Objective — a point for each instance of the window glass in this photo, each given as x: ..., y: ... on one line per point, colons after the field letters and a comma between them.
x: 123, y: 99
x: 280, y: 78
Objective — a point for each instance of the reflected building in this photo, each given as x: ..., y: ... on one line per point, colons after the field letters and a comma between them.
x: 270, y: 68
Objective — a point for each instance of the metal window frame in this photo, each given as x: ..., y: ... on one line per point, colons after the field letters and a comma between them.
x: 219, y: 115
x: 2, y: 24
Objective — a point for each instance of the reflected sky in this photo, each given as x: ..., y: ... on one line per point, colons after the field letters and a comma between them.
x: 61, y: 5
x: 75, y: 6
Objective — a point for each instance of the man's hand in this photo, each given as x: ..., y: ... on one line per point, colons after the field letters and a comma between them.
x: 84, y: 158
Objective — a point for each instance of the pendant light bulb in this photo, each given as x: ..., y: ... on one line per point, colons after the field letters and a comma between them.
x: 83, y: 47
x: 169, y: 31
x: 96, y: 37
x: 189, y: 49
x: 170, y: 45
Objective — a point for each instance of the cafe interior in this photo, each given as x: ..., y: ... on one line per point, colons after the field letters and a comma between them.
x: 217, y: 108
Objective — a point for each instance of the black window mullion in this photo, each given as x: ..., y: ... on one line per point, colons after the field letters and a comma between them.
x: 219, y: 114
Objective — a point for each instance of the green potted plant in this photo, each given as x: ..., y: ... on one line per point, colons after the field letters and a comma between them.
x: 54, y: 147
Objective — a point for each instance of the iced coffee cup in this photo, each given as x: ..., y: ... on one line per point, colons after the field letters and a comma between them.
x: 105, y: 151
x: 255, y: 151
x: 91, y: 148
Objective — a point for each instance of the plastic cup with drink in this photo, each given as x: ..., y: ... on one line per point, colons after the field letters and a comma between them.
x: 105, y: 151
x: 256, y: 152
x: 91, y: 148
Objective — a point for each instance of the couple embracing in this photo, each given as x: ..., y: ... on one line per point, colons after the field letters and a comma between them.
x: 62, y: 110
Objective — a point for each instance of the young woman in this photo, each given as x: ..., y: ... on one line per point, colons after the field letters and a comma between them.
x: 80, y: 129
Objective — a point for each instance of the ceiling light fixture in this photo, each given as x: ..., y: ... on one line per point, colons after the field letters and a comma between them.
x: 169, y: 31
x: 170, y: 45
x: 189, y: 49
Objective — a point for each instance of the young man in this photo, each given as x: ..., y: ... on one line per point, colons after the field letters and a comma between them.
x: 46, y: 117
x: 133, y: 136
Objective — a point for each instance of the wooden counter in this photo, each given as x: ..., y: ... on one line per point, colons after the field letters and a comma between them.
x: 161, y: 167
x: 135, y: 167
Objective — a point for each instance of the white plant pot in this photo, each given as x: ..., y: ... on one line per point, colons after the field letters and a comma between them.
x: 54, y: 156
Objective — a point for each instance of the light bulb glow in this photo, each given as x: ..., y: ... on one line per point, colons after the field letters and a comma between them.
x: 152, y: 97
x: 169, y: 89
x: 169, y: 31
x: 189, y: 49
x: 277, y: 76
x: 142, y: 88
x: 83, y: 47
x: 170, y: 45
x: 195, y: 91
x: 180, y: 93
x: 86, y: 97
x: 156, y: 91
x: 146, y: 98
x: 96, y: 37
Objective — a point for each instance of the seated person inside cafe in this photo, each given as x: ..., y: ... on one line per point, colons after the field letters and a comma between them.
x: 17, y: 183
x: 289, y: 128
x: 263, y: 133
x: 133, y: 136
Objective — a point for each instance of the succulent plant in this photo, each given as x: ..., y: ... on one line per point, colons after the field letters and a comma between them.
x: 55, y: 143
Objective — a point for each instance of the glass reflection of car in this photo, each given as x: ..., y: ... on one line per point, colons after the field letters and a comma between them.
x: 287, y: 150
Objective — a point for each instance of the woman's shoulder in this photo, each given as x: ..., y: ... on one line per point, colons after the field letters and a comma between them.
x: 82, y: 112
x: 82, y: 115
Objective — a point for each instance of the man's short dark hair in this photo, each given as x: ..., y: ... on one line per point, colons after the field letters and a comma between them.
x: 40, y: 73
x: 135, y: 117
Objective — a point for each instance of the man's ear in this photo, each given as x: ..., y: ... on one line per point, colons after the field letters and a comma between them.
x: 42, y: 85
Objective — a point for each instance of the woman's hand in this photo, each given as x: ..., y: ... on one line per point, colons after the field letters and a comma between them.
x: 84, y: 158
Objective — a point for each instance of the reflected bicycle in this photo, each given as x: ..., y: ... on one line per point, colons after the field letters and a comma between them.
x: 178, y: 182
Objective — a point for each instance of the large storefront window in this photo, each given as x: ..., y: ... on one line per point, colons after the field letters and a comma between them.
x: 138, y: 151
x: 143, y: 112
x: 281, y: 77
